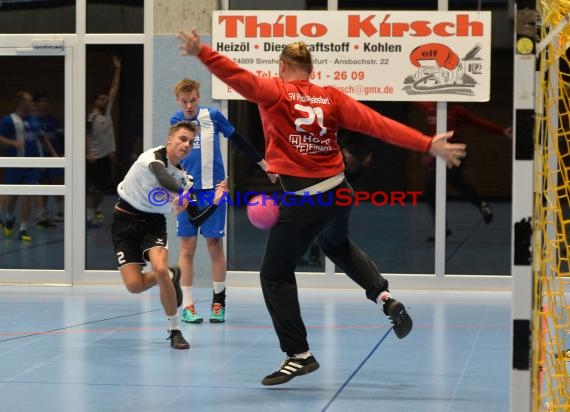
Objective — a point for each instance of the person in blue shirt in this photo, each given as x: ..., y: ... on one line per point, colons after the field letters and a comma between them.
x: 53, y: 129
x: 22, y: 136
x: 206, y: 166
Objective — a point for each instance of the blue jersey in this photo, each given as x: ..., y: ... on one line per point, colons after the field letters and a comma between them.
x: 25, y: 129
x: 205, y: 163
x: 52, y: 129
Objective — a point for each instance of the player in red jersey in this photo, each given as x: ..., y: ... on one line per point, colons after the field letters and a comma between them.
x: 300, y: 123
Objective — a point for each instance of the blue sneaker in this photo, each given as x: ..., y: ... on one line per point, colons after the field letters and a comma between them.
x: 189, y: 315
x: 218, y: 313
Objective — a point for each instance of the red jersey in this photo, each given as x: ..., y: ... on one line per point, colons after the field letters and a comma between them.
x: 300, y: 120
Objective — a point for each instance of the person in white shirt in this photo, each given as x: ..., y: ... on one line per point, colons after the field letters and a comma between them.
x: 154, y: 186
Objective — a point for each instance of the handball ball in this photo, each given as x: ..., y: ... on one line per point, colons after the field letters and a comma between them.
x: 262, y: 211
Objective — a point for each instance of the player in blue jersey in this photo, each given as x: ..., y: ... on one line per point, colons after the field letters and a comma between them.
x: 53, y: 129
x: 22, y: 136
x: 206, y: 166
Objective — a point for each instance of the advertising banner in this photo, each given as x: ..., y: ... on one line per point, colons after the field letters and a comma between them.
x: 370, y: 55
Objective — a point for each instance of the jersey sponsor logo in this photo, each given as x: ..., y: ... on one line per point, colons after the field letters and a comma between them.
x: 308, y: 144
x: 196, y: 144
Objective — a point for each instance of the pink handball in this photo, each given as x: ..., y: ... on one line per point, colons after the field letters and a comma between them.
x: 262, y: 211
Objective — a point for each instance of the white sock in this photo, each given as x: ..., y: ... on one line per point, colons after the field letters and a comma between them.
x: 90, y: 214
x: 219, y: 287
x: 303, y: 355
x: 23, y: 226
x: 173, y: 321
x: 187, y: 299
x: 170, y: 274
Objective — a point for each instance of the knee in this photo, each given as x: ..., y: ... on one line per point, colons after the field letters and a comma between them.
x: 187, y: 253
x: 133, y: 287
x: 162, y: 274
x: 215, y: 245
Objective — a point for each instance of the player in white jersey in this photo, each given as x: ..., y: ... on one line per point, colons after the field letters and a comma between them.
x: 152, y: 188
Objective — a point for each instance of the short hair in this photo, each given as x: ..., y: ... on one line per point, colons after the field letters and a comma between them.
x: 298, y: 53
x: 186, y: 86
x: 185, y: 124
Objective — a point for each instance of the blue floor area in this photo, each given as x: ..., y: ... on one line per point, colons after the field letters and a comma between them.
x: 87, y: 348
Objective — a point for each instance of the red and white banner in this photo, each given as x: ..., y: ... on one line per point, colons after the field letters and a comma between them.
x: 370, y: 55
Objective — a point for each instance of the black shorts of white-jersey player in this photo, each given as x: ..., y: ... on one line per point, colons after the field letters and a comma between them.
x: 139, y: 224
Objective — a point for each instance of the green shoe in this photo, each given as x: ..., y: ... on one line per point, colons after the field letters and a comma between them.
x: 189, y: 315
x: 218, y: 313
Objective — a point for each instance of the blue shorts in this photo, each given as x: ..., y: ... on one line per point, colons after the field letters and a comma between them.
x: 22, y: 176
x: 213, y: 226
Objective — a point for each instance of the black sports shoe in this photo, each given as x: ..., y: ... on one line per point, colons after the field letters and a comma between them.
x: 290, y: 368
x: 177, y: 341
x: 402, y: 322
x: 486, y: 211
x: 176, y: 281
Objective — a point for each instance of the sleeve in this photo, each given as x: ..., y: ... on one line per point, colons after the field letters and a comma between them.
x: 7, y: 134
x: 226, y: 127
x: 196, y: 215
x: 358, y: 117
x: 254, y: 88
x: 164, y: 179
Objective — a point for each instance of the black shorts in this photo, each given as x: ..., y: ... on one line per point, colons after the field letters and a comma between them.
x: 98, y: 175
x: 135, y: 234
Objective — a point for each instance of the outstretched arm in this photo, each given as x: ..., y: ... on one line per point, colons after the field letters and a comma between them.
x: 249, y: 85
x: 116, y: 77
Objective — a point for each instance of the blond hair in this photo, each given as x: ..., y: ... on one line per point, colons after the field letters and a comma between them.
x: 186, y: 86
x: 298, y: 53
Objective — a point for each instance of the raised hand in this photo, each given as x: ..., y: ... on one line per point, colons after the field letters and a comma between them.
x: 189, y: 42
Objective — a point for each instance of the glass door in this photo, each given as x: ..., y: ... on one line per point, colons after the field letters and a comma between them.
x: 35, y: 128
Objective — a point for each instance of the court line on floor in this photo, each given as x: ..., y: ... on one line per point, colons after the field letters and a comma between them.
x: 77, y: 325
x: 344, y: 385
